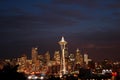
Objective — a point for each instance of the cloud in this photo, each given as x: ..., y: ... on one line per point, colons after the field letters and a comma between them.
x: 116, y: 13
x: 87, y: 24
x: 30, y: 21
x: 107, y: 36
x: 114, y: 5
x: 96, y: 39
x: 71, y: 12
x: 83, y: 3
x: 12, y: 11
x: 19, y: 18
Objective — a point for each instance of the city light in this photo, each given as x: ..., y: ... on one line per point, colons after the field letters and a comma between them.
x: 63, y: 66
x: 34, y: 77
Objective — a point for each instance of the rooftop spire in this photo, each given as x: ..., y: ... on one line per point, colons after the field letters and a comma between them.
x: 77, y: 50
x: 62, y: 40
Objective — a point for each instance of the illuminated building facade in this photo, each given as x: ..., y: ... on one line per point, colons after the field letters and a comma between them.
x: 34, y: 54
x: 86, y: 59
x: 66, y: 52
x: 57, y: 57
x: 61, y: 63
x: 71, y: 63
x: 35, y: 61
x: 47, y: 57
x: 78, y: 57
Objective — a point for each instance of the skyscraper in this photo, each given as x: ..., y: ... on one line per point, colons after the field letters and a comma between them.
x: 78, y: 57
x: 57, y: 57
x: 34, y: 54
x: 47, y: 57
x: 86, y: 58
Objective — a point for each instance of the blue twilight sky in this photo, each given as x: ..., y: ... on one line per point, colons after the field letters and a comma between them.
x: 90, y: 25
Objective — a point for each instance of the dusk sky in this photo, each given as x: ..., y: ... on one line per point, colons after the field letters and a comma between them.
x: 90, y: 25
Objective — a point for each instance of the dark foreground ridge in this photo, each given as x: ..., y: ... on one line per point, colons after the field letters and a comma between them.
x: 10, y: 73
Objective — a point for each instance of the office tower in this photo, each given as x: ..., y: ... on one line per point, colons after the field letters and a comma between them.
x: 23, y: 59
x: 63, y: 43
x: 78, y: 57
x: 47, y: 57
x: 86, y: 59
x: 71, y: 62
x: 57, y: 57
x: 41, y: 59
x: 66, y: 52
x: 72, y: 57
x: 34, y: 54
x: 22, y: 63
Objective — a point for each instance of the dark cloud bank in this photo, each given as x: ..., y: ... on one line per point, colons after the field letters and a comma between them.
x: 88, y: 25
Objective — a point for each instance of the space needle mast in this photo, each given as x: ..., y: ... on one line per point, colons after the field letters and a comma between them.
x: 62, y: 43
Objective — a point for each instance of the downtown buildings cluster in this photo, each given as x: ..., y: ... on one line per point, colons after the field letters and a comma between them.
x: 61, y: 63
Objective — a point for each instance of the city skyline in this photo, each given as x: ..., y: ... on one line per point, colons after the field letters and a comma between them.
x: 91, y: 26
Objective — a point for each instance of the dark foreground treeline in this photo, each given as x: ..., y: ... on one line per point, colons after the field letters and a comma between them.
x: 9, y: 72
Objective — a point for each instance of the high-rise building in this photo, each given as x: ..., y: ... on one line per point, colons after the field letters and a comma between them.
x: 78, y: 57
x: 41, y: 59
x: 86, y: 58
x: 72, y: 57
x: 71, y: 62
x: 57, y: 57
x: 34, y: 54
x: 22, y: 63
x: 47, y: 57
x: 66, y: 52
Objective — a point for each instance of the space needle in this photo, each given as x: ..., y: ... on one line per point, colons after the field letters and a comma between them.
x: 62, y: 43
